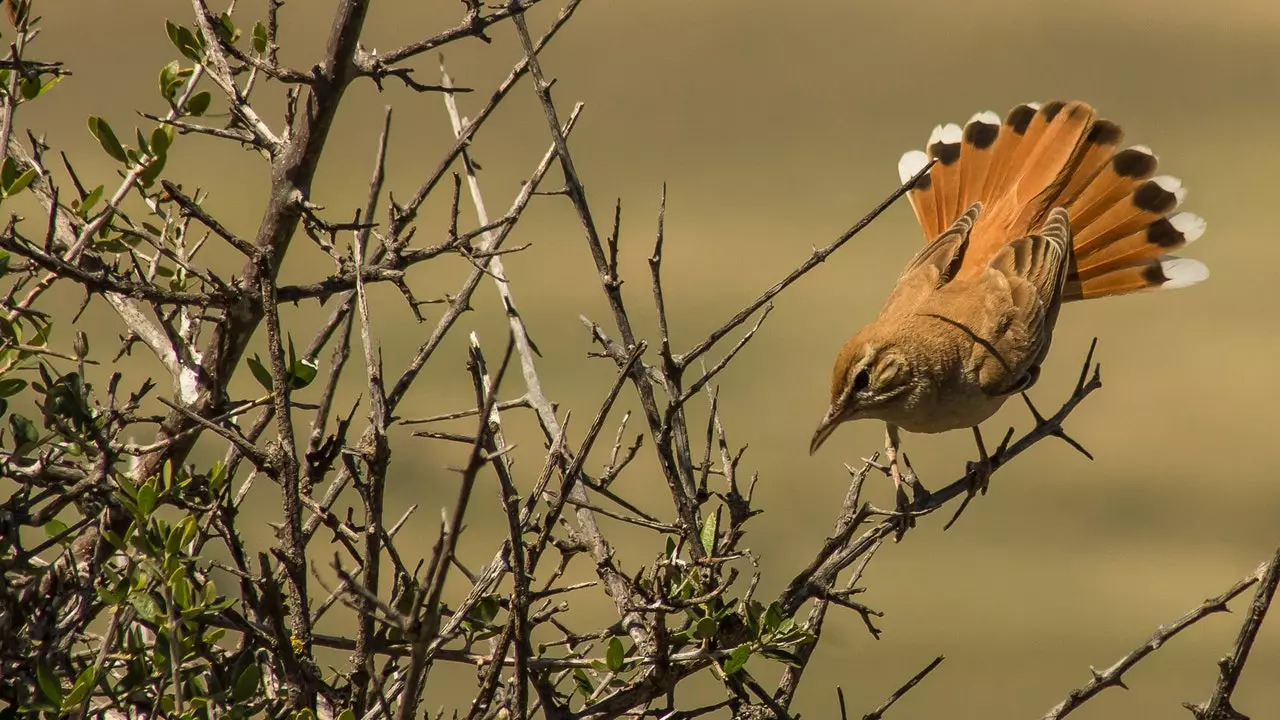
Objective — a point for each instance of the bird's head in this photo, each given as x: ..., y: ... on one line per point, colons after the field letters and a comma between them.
x: 871, y: 379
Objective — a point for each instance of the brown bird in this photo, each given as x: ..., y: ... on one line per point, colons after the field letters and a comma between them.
x: 1020, y: 217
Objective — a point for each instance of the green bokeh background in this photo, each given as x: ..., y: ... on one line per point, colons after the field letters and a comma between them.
x: 775, y: 126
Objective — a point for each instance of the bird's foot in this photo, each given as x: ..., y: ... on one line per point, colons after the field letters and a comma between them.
x: 977, y: 477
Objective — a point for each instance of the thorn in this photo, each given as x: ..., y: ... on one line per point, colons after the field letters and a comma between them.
x: 963, y: 504
x: 871, y: 462
x: 1034, y: 412
x: 1003, y: 446
x: 1088, y: 363
x: 1062, y: 435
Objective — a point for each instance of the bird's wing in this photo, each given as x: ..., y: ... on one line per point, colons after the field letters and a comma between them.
x: 1021, y: 293
x: 933, y: 267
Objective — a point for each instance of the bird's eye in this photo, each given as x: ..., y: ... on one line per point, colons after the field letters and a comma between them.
x: 861, y: 381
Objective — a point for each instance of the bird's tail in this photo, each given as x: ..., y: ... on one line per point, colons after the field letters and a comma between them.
x: 1124, y: 218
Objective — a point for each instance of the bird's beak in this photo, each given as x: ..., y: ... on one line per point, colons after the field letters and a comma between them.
x: 828, y: 425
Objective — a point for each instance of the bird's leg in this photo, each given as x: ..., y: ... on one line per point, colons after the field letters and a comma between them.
x: 919, y: 492
x: 978, y: 474
x: 891, y: 443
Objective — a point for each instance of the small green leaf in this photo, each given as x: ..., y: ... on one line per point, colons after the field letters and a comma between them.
x: 706, y: 628
x: 147, y: 499
x: 782, y: 656
x: 709, y: 527
x: 145, y: 605
x: 246, y: 684
x: 199, y: 103
x: 161, y: 139
x: 737, y: 659
x: 11, y: 386
x: 54, y: 528
x: 80, y: 691
x: 49, y: 684
x: 8, y: 172
x: 303, y: 373
x: 260, y: 372
x: 259, y: 38
x: 24, y: 432
x: 168, y: 78
x: 90, y: 200
x: 773, y: 616
x: 583, y: 682
x: 226, y: 29
x: 20, y: 183
x: 46, y: 87
x: 143, y: 145
x: 185, y: 40
x: 152, y: 171
x: 106, y: 138
x: 29, y: 88
x: 615, y: 655
x: 347, y: 714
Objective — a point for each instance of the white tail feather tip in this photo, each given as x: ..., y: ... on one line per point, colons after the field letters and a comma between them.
x: 1143, y: 149
x: 911, y: 163
x: 1171, y: 184
x: 1190, y: 225
x: 950, y: 134
x: 1182, y: 272
x: 986, y: 117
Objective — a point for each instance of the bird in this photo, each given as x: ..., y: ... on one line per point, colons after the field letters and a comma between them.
x: 1020, y: 216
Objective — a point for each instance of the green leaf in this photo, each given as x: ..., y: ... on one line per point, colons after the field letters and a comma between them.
x: 11, y: 386
x: 246, y: 684
x: 90, y: 200
x: 143, y: 145
x: 706, y: 628
x: 8, y: 172
x: 260, y: 372
x: 24, y: 432
x: 782, y: 656
x: 583, y: 682
x: 226, y: 29
x: 54, y: 528
x: 29, y: 88
x: 80, y: 690
x: 169, y: 79
x: 737, y: 659
x: 106, y: 138
x: 4, y: 262
x: 152, y: 171
x: 709, y: 527
x: 347, y: 714
x: 147, y: 499
x: 161, y: 139
x: 185, y: 40
x: 259, y: 38
x: 773, y: 616
x: 146, y: 606
x: 49, y: 684
x: 21, y: 183
x: 615, y: 655
x: 302, y: 373
x: 199, y: 103
x: 46, y: 87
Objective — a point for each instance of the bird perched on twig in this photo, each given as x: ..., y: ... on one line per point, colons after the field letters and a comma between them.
x: 1019, y: 216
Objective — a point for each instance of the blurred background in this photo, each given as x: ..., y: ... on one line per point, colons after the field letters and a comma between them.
x: 775, y: 126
